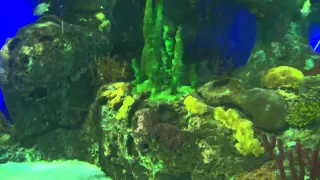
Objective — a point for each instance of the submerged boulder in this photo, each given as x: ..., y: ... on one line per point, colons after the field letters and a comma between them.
x: 266, y: 108
x: 46, y: 65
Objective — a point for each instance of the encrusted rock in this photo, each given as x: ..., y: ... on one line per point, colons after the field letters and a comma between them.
x: 221, y: 91
x: 267, y: 108
x: 45, y: 76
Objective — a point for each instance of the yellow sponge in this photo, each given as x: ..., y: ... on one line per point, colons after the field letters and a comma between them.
x: 115, y: 92
x: 123, y: 111
x: 246, y: 142
x: 243, y: 131
x: 194, y: 106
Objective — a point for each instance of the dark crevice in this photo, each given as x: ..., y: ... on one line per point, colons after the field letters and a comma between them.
x: 46, y: 38
x: 221, y: 82
x: 13, y: 44
x: 130, y: 144
x: 38, y: 93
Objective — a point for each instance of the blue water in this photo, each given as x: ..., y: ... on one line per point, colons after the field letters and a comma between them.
x: 231, y: 34
x: 314, y: 36
x: 14, y: 14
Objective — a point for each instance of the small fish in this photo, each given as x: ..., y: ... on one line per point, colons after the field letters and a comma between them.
x: 41, y: 8
x: 4, y: 109
x: 306, y: 8
x: 309, y: 6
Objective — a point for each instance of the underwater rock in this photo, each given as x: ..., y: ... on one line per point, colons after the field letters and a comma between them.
x: 221, y: 91
x: 69, y: 147
x: 4, y: 138
x: 40, y: 92
x: 156, y: 140
x: 266, y: 172
x: 15, y: 153
x: 267, y: 108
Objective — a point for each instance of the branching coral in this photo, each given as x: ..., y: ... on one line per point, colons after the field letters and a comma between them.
x: 303, y: 159
x: 110, y: 69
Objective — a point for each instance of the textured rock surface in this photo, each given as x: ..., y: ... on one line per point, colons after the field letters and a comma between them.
x: 222, y: 91
x: 42, y: 74
x: 267, y: 108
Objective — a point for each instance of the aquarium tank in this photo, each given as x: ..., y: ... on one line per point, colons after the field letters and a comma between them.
x: 160, y: 90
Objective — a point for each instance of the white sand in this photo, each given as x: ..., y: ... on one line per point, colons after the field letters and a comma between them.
x: 58, y: 170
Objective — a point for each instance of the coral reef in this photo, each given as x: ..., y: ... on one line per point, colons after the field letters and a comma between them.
x: 64, y: 81
x: 303, y: 159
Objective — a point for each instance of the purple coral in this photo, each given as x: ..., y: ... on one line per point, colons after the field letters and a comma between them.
x: 303, y: 159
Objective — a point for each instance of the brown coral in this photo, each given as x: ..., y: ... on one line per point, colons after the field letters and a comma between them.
x: 111, y: 69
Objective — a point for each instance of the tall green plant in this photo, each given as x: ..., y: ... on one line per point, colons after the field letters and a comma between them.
x: 161, y: 63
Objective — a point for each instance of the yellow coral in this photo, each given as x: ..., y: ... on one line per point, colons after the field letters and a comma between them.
x: 283, y: 77
x: 302, y: 113
x: 123, y: 111
x: 243, y: 131
x: 287, y: 95
x: 194, y: 106
x: 229, y: 118
x: 115, y: 92
x: 246, y: 142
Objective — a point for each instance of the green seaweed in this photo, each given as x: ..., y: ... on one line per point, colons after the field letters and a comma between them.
x: 161, y: 65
